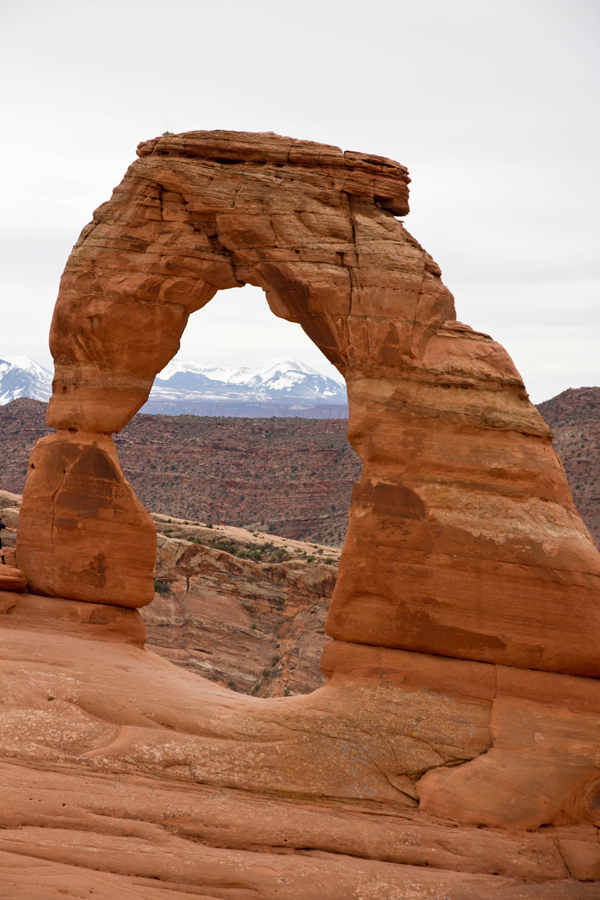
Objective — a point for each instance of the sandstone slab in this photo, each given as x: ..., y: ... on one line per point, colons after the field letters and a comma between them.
x: 12, y: 579
x: 121, y: 771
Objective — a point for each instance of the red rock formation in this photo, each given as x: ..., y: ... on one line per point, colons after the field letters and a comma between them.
x: 466, y: 568
x: 472, y: 513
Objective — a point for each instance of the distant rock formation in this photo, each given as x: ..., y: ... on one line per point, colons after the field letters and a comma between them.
x: 285, y: 388
x: 454, y: 750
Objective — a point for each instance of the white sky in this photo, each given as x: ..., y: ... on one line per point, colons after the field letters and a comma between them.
x: 493, y: 106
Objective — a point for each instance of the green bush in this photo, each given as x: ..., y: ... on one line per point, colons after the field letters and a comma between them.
x: 161, y: 587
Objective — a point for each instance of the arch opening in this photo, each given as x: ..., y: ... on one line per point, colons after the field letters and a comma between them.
x: 243, y: 602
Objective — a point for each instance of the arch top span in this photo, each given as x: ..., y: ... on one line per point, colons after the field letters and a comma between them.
x: 375, y: 178
x: 198, y: 212
x: 463, y: 539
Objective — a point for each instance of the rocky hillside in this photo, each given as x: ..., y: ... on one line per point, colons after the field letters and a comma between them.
x: 290, y: 477
x: 574, y: 417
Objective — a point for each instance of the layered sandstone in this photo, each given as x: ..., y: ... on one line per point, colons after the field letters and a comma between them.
x: 242, y: 608
x: 465, y: 614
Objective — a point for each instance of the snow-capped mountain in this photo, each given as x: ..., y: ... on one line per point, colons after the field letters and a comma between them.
x: 286, y: 377
x: 22, y: 377
x: 283, y: 388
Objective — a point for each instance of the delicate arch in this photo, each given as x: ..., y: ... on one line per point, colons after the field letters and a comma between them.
x: 462, y: 514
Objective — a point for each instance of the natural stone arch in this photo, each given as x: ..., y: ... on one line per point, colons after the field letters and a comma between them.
x: 463, y: 539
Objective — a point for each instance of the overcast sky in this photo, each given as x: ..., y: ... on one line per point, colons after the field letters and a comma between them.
x: 493, y: 106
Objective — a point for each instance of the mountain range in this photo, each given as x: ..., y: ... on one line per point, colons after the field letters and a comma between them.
x: 22, y: 377
x: 283, y: 388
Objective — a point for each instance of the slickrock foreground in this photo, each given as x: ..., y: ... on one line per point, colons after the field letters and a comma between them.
x: 454, y: 751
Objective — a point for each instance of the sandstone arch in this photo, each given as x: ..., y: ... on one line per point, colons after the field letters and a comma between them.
x: 463, y: 538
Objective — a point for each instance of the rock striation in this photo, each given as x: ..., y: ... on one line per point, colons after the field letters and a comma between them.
x: 461, y: 710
